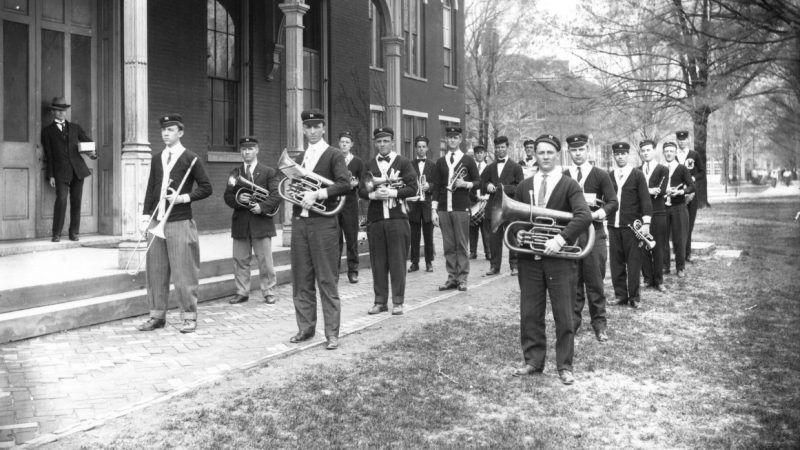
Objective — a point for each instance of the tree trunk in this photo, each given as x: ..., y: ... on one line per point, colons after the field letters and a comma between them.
x: 700, y: 118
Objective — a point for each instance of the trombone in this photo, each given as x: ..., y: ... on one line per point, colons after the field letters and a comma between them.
x: 158, y: 230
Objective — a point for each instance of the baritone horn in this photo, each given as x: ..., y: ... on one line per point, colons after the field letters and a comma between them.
x: 300, y: 180
x: 531, y: 226
x: 257, y: 194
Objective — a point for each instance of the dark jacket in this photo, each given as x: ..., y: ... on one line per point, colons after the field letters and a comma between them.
x: 461, y: 196
x: 658, y: 179
x: 634, y: 198
x: 409, y: 177
x: 245, y: 224
x: 420, y: 211
x: 197, y: 176
x: 356, y: 169
x: 696, y: 166
x: 599, y: 183
x: 61, y: 152
x: 681, y: 175
x: 509, y: 179
x: 331, y: 166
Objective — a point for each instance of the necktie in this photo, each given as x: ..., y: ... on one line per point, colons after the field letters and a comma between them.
x: 580, y: 175
x: 248, y: 168
x: 169, y: 156
x: 383, y: 158
x: 542, y: 190
x: 452, y: 157
x: 647, y: 167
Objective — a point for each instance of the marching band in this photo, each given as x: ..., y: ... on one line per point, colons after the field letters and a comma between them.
x: 554, y: 222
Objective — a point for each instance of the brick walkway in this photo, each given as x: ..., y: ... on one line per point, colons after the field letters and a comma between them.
x: 75, y: 380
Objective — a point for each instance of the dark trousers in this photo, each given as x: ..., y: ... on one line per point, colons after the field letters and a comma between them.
x: 348, y: 222
x: 653, y: 260
x: 484, y: 229
x: 73, y: 188
x: 556, y: 277
x: 692, y: 207
x: 315, y: 258
x: 388, y: 251
x: 626, y: 263
x: 496, y: 245
x: 426, y: 231
x: 455, y: 243
x: 591, y: 272
x: 677, y: 227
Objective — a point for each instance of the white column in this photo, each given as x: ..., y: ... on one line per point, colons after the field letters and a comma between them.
x: 393, y: 51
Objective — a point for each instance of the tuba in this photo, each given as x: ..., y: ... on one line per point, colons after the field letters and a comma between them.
x: 257, y: 194
x: 646, y: 239
x: 531, y: 226
x: 300, y: 180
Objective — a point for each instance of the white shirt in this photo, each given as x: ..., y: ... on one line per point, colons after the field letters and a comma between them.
x: 313, y: 153
x: 680, y: 156
x: 621, y: 175
x: 585, y: 169
x: 501, y: 165
x: 252, y: 169
x: 457, y: 155
x: 552, y: 179
x: 172, y: 154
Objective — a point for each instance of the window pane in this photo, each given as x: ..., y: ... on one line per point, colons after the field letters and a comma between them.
x: 211, y: 50
x: 81, y: 80
x: 210, y: 19
x: 231, y: 52
x: 53, y: 10
x: 82, y: 12
x: 222, y: 56
x: 15, y: 81
x: 52, y: 74
x: 17, y: 6
x: 221, y: 18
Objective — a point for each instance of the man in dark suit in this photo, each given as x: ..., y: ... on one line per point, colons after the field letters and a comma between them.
x: 252, y: 228
x: 388, y: 231
x: 528, y: 163
x: 506, y: 174
x: 481, y: 226
x: 634, y: 204
x: 540, y: 275
x: 315, y: 244
x: 657, y: 177
x: 419, y: 210
x: 697, y: 168
x: 348, y: 218
x: 679, y: 185
x: 65, y: 167
x: 601, y: 198
x: 178, y: 253
x: 450, y: 207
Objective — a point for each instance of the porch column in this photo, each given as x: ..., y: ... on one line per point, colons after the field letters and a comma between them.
x: 393, y: 48
x: 294, y: 11
x: 135, y: 164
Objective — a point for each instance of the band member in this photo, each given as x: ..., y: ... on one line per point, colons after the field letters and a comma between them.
x: 315, y: 250
x: 679, y: 184
x: 481, y: 227
x: 252, y: 228
x: 600, y: 196
x: 529, y: 164
x: 508, y: 174
x: 634, y: 204
x: 388, y: 231
x: 419, y: 211
x: 540, y: 276
x: 178, y: 254
x: 454, y: 176
x: 65, y: 167
x: 697, y: 168
x: 657, y: 176
x: 348, y: 218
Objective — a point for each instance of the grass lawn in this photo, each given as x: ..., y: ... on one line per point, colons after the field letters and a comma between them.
x: 714, y: 363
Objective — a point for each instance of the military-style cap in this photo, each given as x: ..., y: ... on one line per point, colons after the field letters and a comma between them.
x: 681, y: 135
x: 549, y: 139
x: 168, y: 120
x: 501, y: 140
x: 528, y: 142
x: 59, y: 104
x: 478, y: 148
x: 421, y: 138
x: 248, y: 141
x: 620, y: 147
x: 452, y: 131
x: 346, y: 134
x: 382, y: 132
x: 312, y: 117
x: 577, y: 140
x: 647, y: 142
x: 668, y: 144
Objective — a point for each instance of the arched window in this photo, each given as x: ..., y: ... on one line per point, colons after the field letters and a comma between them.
x: 223, y: 71
x: 378, y: 32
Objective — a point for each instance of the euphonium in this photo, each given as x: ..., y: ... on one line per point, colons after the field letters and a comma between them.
x: 300, y: 180
x: 257, y: 194
x: 646, y: 239
x: 459, y: 174
x: 531, y: 226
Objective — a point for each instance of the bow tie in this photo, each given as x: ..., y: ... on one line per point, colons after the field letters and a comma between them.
x: 501, y: 161
x: 384, y: 158
x: 421, y: 160
x: 529, y: 158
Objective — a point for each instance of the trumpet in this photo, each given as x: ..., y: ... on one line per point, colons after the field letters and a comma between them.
x: 671, y: 192
x: 646, y: 239
x: 257, y: 194
x: 353, y: 180
x: 459, y: 174
x: 420, y: 192
x: 300, y: 180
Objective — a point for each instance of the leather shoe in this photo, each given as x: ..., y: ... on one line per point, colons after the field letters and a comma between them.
x: 270, y: 299
x: 491, y: 272
x: 300, y: 337
x: 688, y: 259
x: 462, y: 286
x: 413, y: 267
x: 601, y: 335
x: 514, y: 271
x: 526, y: 370
x: 619, y: 302
x: 56, y: 239
x: 397, y: 310
x: 681, y: 274
x: 238, y: 299
x: 448, y: 285
x: 428, y: 267
x: 473, y: 256
x: 352, y: 276
x: 566, y: 376
x: 189, y: 326
x: 661, y: 288
x: 488, y: 256
x: 151, y: 324
x: 378, y: 308
x: 333, y: 343
x: 74, y: 237
x: 634, y: 304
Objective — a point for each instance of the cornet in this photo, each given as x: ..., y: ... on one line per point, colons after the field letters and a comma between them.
x: 646, y: 239
x: 671, y: 192
x: 300, y: 180
x: 459, y: 174
x: 257, y: 194
x: 420, y: 192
